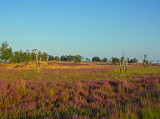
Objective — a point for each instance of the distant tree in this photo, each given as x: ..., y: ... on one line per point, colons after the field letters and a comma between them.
x: 70, y: 58
x: 5, y: 52
x: 56, y: 58
x: 63, y: 58
x: 78, y: 58
x: 96, y: 59
x: 26, y: 56
x: 18, y: 57
x: 50, y: 58
x: 133, y: 60
x: 33, y: 56
x: 15, y: 57
x: 44, y: 56
x: 145, y: 61
x: 104, y: 60
x: 87, y: 60
x: 115, y: 60
x: 39, y: 55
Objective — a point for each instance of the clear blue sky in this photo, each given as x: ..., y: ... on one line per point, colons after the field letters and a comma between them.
x: 87, y: 27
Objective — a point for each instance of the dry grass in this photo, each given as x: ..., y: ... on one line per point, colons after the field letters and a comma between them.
x: 54, y: 65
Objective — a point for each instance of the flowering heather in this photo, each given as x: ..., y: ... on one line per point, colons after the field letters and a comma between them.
x: 97, y: 92
x: 91, y: 99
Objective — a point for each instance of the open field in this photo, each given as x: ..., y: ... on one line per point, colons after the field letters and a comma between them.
x: 79, y: 90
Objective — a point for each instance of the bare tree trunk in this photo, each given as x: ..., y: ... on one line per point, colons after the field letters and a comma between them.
x: 36, y: 52
x: 120, y: 66
x: 37, y: 61
x: 124, y: 63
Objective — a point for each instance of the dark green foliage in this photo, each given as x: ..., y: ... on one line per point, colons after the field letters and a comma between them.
x: 33, y: 56
x: 115, y: 60
x: 104, y: 60
x: 44, y: 56
x: 133, y: 60
x: 5, y: 52
x: 17, y: 57
x: 72, y: 58
x: 78, y: 58
x: 96, y: 59
x: 63, y: 58
x: 56, y: 58
x: 27, y: 56
x: 20, y: 56
x: 52, y: 58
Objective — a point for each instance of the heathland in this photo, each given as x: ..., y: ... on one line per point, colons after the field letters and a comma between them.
x: 79, y: 90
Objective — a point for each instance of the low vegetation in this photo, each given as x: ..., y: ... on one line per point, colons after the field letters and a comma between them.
x: 79, y: 90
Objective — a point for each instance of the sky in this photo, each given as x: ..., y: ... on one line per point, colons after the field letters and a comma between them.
x: 90, y: 28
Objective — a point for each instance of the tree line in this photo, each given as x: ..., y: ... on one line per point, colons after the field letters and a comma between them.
x: 8, y: 56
